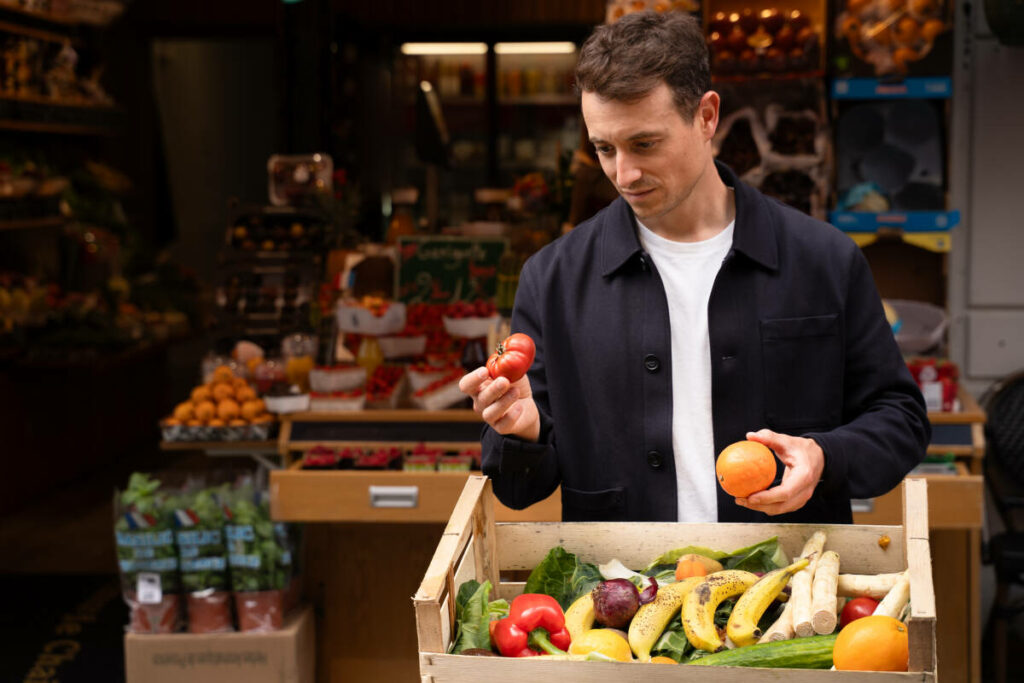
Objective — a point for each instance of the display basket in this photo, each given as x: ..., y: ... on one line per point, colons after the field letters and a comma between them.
x: 473, y: 546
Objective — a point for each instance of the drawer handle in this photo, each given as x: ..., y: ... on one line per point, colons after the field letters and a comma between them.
x: 862, y: 505
x: 394, y: 496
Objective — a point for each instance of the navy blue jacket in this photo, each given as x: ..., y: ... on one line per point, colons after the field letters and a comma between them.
x: 799, y: 344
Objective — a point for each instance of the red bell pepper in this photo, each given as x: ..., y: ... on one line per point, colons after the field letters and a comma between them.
x: 535, y: 625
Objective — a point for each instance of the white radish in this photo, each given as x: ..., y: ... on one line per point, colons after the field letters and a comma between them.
x: 896, y: 599
x: 782, y: 629
x: 823, y: 593
x: 866, y: 585
x: 800, y: 594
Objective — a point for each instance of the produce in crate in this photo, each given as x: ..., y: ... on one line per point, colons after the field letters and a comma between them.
x: 874, y: 643
x: 701, y: 603
x: 857, y: 608
x: 535, y: 624
x: 650, y: 620
x: 742, y: 627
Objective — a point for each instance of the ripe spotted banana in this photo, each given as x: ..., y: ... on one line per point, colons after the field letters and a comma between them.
x: 579, y: 618
x: 742, y: 626
x: 651, y: 619
x: 700, y: 604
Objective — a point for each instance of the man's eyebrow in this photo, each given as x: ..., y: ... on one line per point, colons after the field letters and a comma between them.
x: 642, y: 135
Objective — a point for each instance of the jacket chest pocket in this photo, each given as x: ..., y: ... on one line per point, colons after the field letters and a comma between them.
x: 803, y: 372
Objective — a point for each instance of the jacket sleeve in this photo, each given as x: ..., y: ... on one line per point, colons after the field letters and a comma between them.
x: 524, y: 472
x: 885, y: 431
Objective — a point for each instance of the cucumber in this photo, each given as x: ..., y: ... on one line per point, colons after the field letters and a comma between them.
x: 814, y: 652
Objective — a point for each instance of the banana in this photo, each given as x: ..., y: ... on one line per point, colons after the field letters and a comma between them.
x: 651, y: 619
x: 742, y: 627
x: 700, y: 604
x: 579, y: 618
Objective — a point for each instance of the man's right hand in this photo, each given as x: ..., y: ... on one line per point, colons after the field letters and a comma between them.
x: 507, y: 407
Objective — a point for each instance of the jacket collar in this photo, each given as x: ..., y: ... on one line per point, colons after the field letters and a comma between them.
x: 754, y: 235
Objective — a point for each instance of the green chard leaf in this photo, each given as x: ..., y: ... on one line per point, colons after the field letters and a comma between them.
x: 562, y: 576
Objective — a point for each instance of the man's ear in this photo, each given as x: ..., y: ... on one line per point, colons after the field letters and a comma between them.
x: 707, y: 113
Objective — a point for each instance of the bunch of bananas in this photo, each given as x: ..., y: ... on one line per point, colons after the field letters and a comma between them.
x: 697, y: 598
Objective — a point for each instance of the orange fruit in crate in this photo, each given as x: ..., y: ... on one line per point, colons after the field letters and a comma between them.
x: 244, y: 393
x: 201, y: 393
x: 216, y: 423
x: 745, y: 467
x: 875, y: 643
x: 194, y: 423
x: 223, y: 374
x: 228, y: 409
x: 223, y: 390
x: 172, y: 422
x: 661, y: 659
x: 184, y: 411
x: 260, y: 419
x: 237, y: 423
x: 206, y: 411
x: 251, y: 409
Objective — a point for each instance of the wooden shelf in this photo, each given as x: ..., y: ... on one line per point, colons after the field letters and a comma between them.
x: 298, y: 495
x: 29, y: 223
x: 396, y: 415
x: 955, y: 501
x: 269, y: 446
x: 57, y: 128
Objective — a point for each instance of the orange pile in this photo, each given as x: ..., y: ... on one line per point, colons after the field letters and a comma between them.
x: 224, y: 401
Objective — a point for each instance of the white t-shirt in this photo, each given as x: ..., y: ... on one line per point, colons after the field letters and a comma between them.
x: 688, y: 271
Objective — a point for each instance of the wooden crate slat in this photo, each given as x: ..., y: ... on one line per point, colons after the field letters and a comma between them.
x: 524, y: 545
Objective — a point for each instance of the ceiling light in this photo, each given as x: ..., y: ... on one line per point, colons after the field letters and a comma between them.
x: 444, y: 48
x: 562, y: 48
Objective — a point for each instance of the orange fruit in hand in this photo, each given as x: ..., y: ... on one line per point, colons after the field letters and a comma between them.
x: 745, y: 467
x: 875, y: 643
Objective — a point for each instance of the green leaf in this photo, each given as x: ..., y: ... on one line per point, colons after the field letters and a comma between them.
x: 672, y: 556
x: 472, y: 610
x: 673, y: 642
x: 760, y: 557
x: 562, y: 576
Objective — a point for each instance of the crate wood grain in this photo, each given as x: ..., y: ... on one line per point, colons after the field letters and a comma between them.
x: 473, y: 546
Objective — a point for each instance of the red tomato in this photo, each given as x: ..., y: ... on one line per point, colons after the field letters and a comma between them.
x: 513, y: 357
x: 857, y: 608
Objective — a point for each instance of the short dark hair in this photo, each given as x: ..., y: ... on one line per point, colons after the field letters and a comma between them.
x: 626, y: 60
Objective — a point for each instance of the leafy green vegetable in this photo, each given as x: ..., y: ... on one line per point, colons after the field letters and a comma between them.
x: 673, y: 642
x: 562, y: 576
x: 473, y: 617
x: 760, y: 557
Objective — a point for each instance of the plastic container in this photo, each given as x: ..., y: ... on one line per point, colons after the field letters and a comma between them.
x: 922, y: 325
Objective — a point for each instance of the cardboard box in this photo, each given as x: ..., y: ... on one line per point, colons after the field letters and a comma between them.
x: 285, y: 656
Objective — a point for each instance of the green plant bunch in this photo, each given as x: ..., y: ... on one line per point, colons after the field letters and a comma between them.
x: 200, y: 537
x: 144, y: 533
x: 259, y: 551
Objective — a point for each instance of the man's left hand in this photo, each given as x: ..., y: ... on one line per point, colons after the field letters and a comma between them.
x: 804, y: 461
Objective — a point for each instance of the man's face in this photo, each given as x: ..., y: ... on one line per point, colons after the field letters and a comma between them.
x: 650, y: 152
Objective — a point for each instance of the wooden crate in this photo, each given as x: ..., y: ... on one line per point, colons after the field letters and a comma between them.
x: 474, y: 546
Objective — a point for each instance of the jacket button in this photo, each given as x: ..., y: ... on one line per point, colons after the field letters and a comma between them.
x: 651, y: 362
x: 654, y: 459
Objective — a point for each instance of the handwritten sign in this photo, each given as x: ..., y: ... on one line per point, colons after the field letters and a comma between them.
x: 442, y: 270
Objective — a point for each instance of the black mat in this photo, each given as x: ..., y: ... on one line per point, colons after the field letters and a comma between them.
x: 61, y: 628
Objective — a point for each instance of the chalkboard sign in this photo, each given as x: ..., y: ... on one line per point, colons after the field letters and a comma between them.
x: 441, y: 270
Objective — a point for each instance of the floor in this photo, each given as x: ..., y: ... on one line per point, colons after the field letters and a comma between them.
x: 64, y: 608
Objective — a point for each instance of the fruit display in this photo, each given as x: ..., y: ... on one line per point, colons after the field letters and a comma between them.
x: 609, y: 612
x: 616, y: 9
x: 771, y: 40
x: 777, y: 139
x: 277, y: 233
x: 892, y: 36
x: 226, y: 408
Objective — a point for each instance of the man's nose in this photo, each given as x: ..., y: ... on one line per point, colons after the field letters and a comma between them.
x: 626, y: 171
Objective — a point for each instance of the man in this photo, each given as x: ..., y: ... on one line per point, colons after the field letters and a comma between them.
x: 691, y: 313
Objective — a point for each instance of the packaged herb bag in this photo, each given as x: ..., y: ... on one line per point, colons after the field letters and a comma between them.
x: 200, y: 520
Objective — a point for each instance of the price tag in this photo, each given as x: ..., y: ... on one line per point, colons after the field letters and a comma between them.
x: 147, y: 589
x: 932, y: 392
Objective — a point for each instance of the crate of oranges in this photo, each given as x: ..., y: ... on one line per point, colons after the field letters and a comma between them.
x: 227, y: 408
